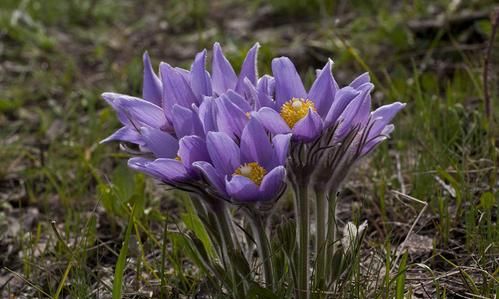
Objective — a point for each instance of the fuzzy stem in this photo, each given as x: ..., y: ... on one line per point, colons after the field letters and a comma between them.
x: 258, y: 223
x: 228, y: 245
x: 331, y: 227
x: 321, y: 216
x: 302, y: 219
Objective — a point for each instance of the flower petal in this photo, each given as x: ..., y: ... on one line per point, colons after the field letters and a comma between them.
x: 238, y: 100
x: 258, y: 98
x: 170, y: 169
x: 281, y: 148
x: 151, y: 85
x: 223, y: 75
x: 140, y: 164
x: 255, y: 145
x: 230, y: 118
x: 224, y: 152
x: 342, y: 98
x: 212, y: 175
x: 191, y: 149
x: 200, y: 79
x: 207, y: 114
x: 323, y: 90
x: 242, y: 189
x: 176, y: 89
x: 271, y: 120
x: 161, y: 144
x: 266, y: 84
x: 140, y: 111
x: 288, y: 84
x: 272, y: 183
x: 249, y: 68
x: 126, y: 134
x: 182, y: 121
x: 383, y: 115
x: 360, y: 80
x: 309, y: 127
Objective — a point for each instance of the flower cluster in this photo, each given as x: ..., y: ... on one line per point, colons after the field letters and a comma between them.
x: 240, y: 138
x: 230, y: 136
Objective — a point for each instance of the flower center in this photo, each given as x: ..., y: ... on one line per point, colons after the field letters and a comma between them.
x: 295, y: 109
x: 252, y: 171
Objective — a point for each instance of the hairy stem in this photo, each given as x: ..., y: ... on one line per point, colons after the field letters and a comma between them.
x: 302, y: 219
x: 321, y: 216
x: 258, y: 223
x: 331, y: 227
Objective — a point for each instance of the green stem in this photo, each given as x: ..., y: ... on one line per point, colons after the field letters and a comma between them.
x: 321, y: 216
x: 228, y: 246
x: 331, y: 228
x: 258, y: 223
x: 302, y: 219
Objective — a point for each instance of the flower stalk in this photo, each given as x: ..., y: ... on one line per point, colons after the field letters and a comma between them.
x: 321, y: 218
x: 303, y: 237
x: 258, y: 223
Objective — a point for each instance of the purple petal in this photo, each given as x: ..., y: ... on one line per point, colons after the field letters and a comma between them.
x: 249, y: 68
x: 281, y: 147
x: 126, y: 134
x: 323, y: 90
x: 242, y: 189
x: 170, y: 169
x: 200, y: 80
x: 266, y: 85
x: 255, y: 145
x: 383, y: 115
x: 151, y: 85
x: 230, y: 118
x: 207, y: 114
x: 176, y: 89
x: 362, y: 115
x: 224, y: 153
x: 271, y: 120
x: 258, y: 98
x: 141, y: 112
x: 223, y: 75
x: 192, y: 149
x: 182, y: 121
x: 212, y: 175
x: 160, y: 143
x: 309, y: 127
x: 360, y: 80
x: 140, y: 164
x: 288, y: 84
x: 272, y: 183
x: 342, y: 98
x: 238, y: 100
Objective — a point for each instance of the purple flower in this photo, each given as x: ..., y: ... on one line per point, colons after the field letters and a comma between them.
x: 249, y: 172
x: 308, y: 114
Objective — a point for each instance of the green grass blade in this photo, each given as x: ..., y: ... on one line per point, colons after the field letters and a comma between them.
x: 401, y: 278
x: 120, y: 264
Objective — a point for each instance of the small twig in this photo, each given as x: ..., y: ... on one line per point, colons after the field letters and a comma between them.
x: 402, y: 245
x: 400, y: 178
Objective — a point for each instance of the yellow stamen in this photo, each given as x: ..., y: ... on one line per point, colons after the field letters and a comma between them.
x: 252, y: 171
x: 178, y: 158
x: 295, y: 109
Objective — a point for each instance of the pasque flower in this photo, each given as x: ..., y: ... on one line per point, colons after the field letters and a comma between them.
x: 252, y: 171
x: 170, y: 121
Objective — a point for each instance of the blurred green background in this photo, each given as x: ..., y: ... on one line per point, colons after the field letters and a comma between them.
x: 58, y: 56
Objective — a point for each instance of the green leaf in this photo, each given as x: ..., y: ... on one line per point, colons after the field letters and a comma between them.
x: 120, y: 264
x: 401, y: 277
x: 192, y: 222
